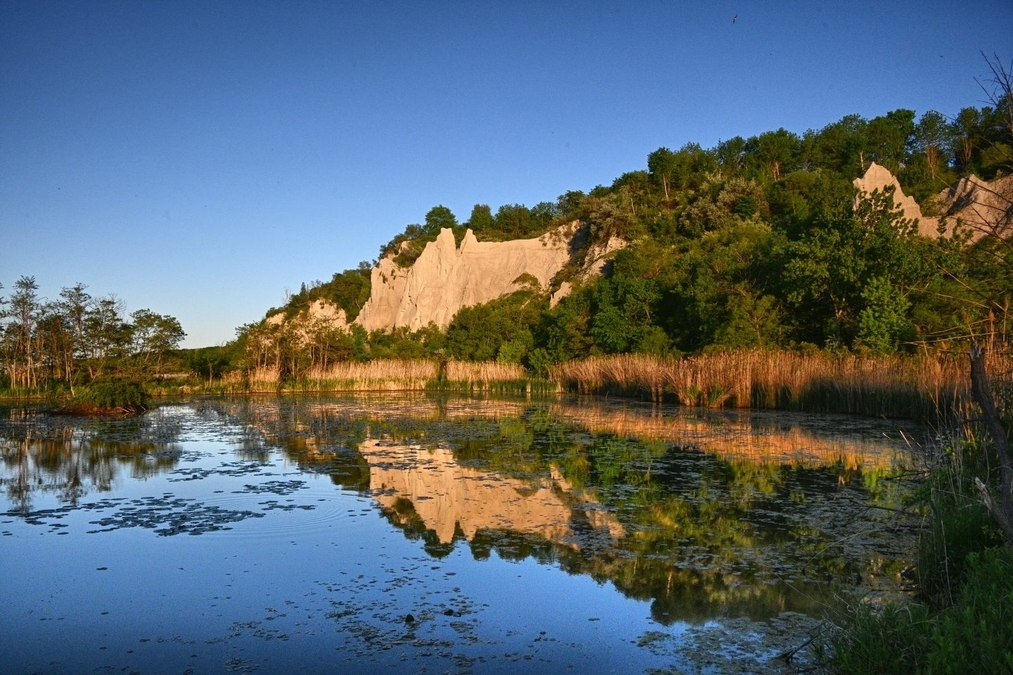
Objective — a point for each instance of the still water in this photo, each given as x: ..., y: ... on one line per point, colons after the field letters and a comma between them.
x: 432, y: 535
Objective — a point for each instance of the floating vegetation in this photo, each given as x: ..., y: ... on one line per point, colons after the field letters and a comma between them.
x: 462, y: 534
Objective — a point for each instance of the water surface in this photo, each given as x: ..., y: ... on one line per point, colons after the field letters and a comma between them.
x: 332, y: 534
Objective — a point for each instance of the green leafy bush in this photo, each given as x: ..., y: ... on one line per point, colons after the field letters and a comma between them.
x: 115, y: 394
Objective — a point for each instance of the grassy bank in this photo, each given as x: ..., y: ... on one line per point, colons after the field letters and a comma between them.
x: 373, y: 376
x: 961, y: 620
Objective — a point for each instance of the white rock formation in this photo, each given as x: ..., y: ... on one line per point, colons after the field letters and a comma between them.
x: 446, y: 278
x: 878, y: 178
x: 972, y: 204
x: 978, y: 206
x: 595, y: 263
x: 320, y: 312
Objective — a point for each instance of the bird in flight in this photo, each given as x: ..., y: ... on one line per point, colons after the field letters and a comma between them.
x: 735, y: 18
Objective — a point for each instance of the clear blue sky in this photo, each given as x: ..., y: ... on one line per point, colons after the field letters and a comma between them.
x: 198, y: 158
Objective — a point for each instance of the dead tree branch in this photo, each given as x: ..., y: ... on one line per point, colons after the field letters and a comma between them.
x: 999, y: 507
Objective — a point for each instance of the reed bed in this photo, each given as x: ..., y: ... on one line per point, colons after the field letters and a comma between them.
x: 483, y: 376
x: 256, y: 380
x: 384, y: 375
x: 914, y: 387
x: 379, y: 375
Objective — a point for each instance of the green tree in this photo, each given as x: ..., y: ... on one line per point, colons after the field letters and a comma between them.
x: 209, y: 361
x: 74, y: 302
x: 932, y: 137
x: 513, y: 221
x: 662, y: 165
x: 24, y: 309
x: 777, y: 151
x: 731, y: 155
x: 841, y: 146
x: 479, y: 332
x: 890, y: 138
x: 623, y: 305
x: 564, y: 332
x: 481, y: 219
x: 107, y: 336
x: 826, y: 270
x: 437, y: 218
x: 883, y: 322
x: 154, y: 336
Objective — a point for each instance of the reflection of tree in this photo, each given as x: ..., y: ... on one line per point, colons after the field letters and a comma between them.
x: 775, y: 514
x: 321, y: 439
x: 70, y: 457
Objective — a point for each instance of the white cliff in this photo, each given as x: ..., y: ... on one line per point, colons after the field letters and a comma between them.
x: 878, y: 178
x: 971, y: 204
x: 978, y: 206
x: 446, y: 278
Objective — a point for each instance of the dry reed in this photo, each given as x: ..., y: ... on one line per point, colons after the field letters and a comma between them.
x: 379, y: 375
x: 484, y: 372
x: 914, y: 387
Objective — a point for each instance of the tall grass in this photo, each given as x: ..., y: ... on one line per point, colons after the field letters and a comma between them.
x: 484, y: 371
x: 912, y: 387
x: 489, y: 377
x: 378, y: 375
x: 964, y: 570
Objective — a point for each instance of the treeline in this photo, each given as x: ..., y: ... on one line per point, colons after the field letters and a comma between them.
x: 754, y: 243
x: 48, y: 344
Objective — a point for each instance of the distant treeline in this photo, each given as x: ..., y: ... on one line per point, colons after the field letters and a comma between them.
x: 77, y: 339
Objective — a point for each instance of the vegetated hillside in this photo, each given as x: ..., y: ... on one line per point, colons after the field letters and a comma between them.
x: 756, y: 242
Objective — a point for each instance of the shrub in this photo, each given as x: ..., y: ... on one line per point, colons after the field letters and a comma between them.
x: 115, y: 394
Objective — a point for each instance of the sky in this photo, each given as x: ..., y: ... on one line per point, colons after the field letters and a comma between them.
x: 198, y: 159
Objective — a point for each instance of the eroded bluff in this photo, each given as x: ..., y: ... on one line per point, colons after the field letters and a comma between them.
x: 446, y: 277
x: 977, y: 207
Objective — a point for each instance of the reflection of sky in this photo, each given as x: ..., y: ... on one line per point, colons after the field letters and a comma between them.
x: 301, y: 567
x: 296, y: 589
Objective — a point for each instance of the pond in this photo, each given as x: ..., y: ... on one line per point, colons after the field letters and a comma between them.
x: 438, y: 534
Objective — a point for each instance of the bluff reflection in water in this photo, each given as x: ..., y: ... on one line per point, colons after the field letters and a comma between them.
x: 705, y: 514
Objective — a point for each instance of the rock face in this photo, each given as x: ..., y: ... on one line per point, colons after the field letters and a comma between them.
x: 596, y: 262
x: 972, y: 205
x: 320, y: 312
x: 879, y: 178
x: 446, y: 278
x: 978, y: 206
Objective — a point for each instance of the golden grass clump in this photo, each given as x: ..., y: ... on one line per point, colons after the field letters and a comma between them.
x: 895, y: 386
x: 484, y: 371
x: 379, y: 375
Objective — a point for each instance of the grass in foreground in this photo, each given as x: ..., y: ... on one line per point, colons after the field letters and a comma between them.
x: 963, y: 621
